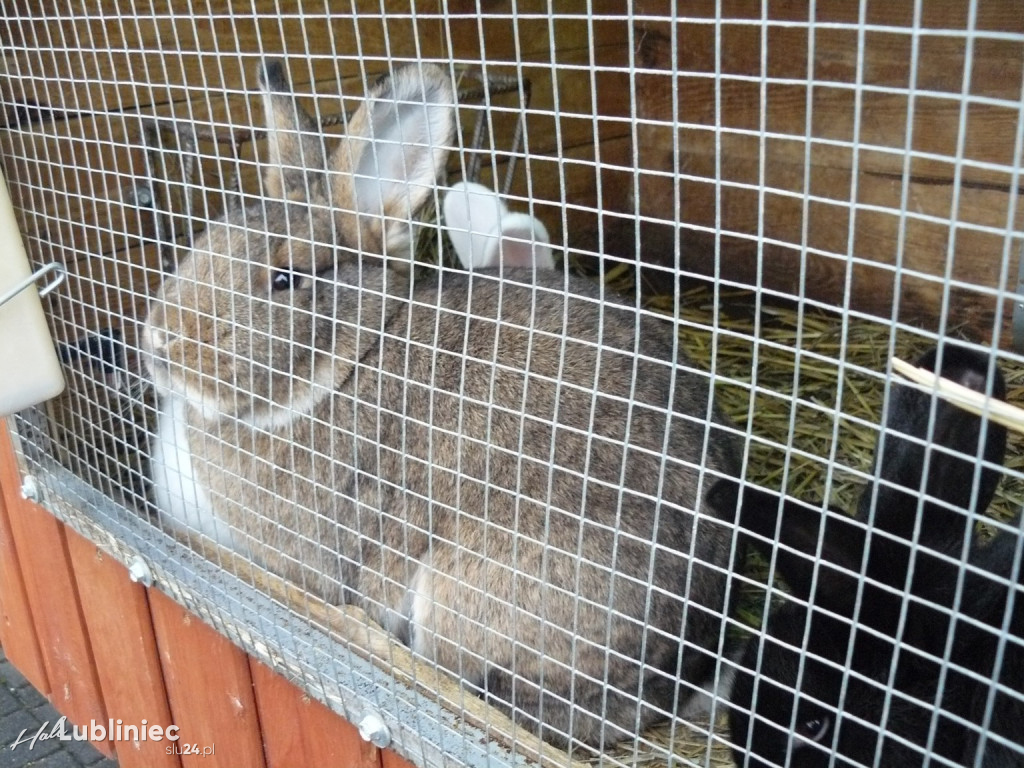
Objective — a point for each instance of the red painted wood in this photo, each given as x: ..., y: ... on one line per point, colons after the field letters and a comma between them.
x: 124, y: 646
x: 17, y: 629
x: 39, y: 540
x: 299, y: 731
x: 210, y: 690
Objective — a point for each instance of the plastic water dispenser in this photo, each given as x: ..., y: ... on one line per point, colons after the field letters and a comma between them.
x: 29, y: 368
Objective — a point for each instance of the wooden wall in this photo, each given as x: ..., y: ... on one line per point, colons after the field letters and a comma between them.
x: 74, y: 175
x: 635, y: 150
x: 755, y: 173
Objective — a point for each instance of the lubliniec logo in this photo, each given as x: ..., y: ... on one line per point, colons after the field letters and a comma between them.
x: 115, y: 730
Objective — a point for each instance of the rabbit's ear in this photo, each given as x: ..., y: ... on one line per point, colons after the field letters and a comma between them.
x: 396, y: 146
x: 524, y: 243
x: 472, y: 215
x: 484, y: 234
x: 800, y: 537
x: 294, y: 140
x: 924, y: 434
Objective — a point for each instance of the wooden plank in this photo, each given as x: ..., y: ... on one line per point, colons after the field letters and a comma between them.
x: 993, y: 15
x: 299, y: 731
x: 743, y: 185
x: 121, y: 632
x: 76, y: 183
x: 17, y: 628
x: 74, y: 186
x: 210, y: 689
x: 39, y: 539
x: 513, y: 32
x: 581, y: 39
x: 704, y: 106
x: 875, y: 283
x: 108, y: 55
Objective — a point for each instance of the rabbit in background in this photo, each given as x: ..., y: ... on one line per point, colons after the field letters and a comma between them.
x: 486, y: 235
x: 854, y: 669
x: 504, y: 470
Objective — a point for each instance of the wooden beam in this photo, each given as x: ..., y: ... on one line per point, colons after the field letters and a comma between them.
x: 121, y: 632
x: 39, y: 539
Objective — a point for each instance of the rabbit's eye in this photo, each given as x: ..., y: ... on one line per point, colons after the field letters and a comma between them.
x: 284, y: 279
x: 816, y: 728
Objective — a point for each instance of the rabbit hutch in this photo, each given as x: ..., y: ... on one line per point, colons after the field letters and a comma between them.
x: 780, y: 197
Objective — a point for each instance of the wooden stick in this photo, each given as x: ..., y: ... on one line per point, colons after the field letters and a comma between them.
x: 1009, y: 416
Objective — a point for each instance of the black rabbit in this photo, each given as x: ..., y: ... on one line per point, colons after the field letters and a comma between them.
x: 906, y: 637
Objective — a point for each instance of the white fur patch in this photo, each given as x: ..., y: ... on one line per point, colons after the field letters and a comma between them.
x: 703, y: 700
x: 182, y: 502
x: 420, y: 622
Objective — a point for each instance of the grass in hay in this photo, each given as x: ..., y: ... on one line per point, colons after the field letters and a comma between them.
x: 809, y: 388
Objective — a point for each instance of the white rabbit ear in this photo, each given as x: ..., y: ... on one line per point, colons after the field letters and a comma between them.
x: 397, y: 145
x: 524, y: 242
x: 294, y: 141
x: 472, y: 215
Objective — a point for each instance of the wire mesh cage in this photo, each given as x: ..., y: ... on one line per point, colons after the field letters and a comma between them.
x: 522, y: 370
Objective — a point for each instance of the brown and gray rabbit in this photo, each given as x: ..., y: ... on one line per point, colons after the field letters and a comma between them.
x: 506, y: 473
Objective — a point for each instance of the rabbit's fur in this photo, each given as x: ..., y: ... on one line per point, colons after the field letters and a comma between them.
x: 882, y: 616
x: 447, y: 451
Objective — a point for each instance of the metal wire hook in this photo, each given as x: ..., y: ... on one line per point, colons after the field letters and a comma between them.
x: 53, y: 266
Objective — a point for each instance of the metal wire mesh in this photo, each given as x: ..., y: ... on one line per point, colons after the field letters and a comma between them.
x: 522, y: 474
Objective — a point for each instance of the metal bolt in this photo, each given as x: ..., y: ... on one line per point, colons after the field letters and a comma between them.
x: 30, y: 488
x: 373, y: 729
x: 139, y: 572
x: 143, y: 196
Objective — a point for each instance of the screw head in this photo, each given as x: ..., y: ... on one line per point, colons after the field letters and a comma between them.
x: 30, y: 488
x: 139, y: 572
x: 143, y: 196
x: 373, y: 729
